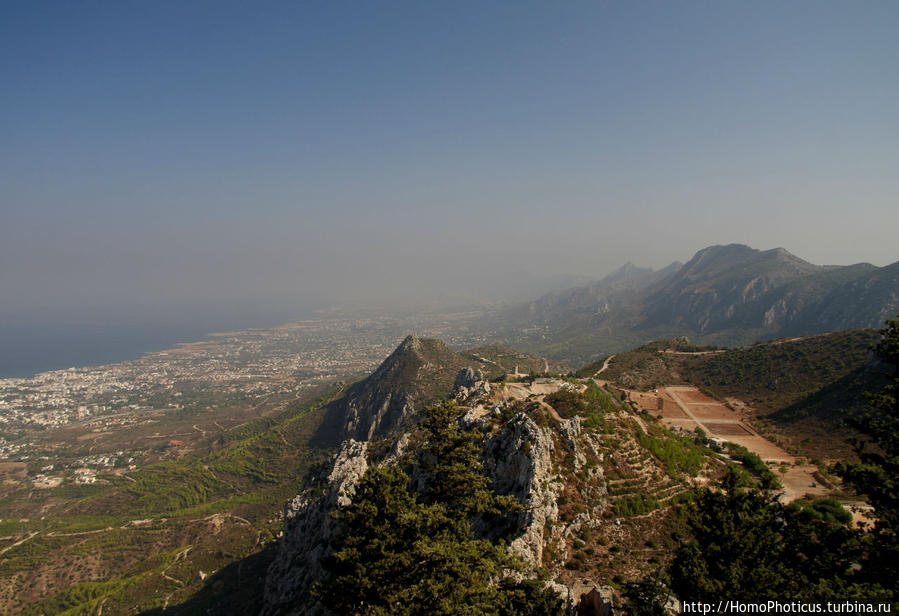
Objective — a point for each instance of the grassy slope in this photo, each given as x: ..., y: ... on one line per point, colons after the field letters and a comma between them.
x: 224, y: 506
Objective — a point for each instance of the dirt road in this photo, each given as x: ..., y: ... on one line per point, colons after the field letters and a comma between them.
x: 605, y: 365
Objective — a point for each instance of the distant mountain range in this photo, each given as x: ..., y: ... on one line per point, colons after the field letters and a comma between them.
x: 725, y: 295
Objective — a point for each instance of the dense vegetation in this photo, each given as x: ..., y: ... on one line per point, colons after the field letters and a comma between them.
x: 592, y: 400
x: 593, y: 404
x: 678, y: 454
x: 876, y: 474
x: 770, y: 375
x: 776, y: 374
x: 635, y: 504
x: 747, y: 546
x: 405, y: 552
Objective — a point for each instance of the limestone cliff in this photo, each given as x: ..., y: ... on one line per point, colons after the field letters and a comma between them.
x: 519, y: 461
x: 308, y: 529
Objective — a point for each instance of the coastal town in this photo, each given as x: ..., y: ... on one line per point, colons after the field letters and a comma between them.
x: 59, y: 420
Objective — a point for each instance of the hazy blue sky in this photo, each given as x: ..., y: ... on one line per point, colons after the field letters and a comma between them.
x: 277, y: 155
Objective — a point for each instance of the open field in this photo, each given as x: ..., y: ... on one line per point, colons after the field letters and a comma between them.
x: 691, y: 395
x: 727, y: 429
x: 712, y: 412
x: 800, y: 480
x: 12, y: 470
x: 718, y: 421
x: 660, y: 401
x: 766, y: 450
x: 688, y: 425
x: 687, y: 407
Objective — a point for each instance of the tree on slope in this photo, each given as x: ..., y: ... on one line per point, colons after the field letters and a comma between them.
x: 404, y: 553
x: 453, y: 474
x: 744, y: 540
x: 876, y: 474
x: 398, y: 554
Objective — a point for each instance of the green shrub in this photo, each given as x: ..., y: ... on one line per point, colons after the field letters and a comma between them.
x: 755, y: 465
x: 677, y: 453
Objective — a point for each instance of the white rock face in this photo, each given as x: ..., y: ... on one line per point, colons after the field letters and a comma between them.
x: 349, y: 466
x: 470, y: 384
x: 519, y: 459
x: 308, y: 529
x: 467, y: 378
x: 365, y: 421
x: 571, y: 431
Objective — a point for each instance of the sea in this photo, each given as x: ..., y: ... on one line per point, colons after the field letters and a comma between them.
x: 31, y: 345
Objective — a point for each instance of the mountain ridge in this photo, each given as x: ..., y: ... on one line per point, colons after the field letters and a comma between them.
x: 725, y: 294
x: 418, y: 371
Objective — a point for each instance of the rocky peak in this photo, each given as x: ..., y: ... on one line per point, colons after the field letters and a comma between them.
x: 410, y: 344
x: 723, y: 287
x: 627, y: 273
x: 418, y: 372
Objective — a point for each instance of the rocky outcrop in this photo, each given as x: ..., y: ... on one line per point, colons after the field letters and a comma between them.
x: 466, y: 378
x: 470, y: 384
x: 308, y: 529
x: 519, y: 461
x: 364, y: 421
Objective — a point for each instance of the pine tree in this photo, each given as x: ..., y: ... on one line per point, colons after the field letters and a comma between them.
x: 400, y: 556
x: 405, y: 554
x: 876, y: 474
x: 746, y: 542
x: 453, y: 473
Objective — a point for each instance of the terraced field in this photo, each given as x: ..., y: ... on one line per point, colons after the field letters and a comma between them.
x: 636, y: 480
x: 686, y: 408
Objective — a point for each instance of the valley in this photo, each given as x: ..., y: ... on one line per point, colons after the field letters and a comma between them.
x: 85, y: 425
